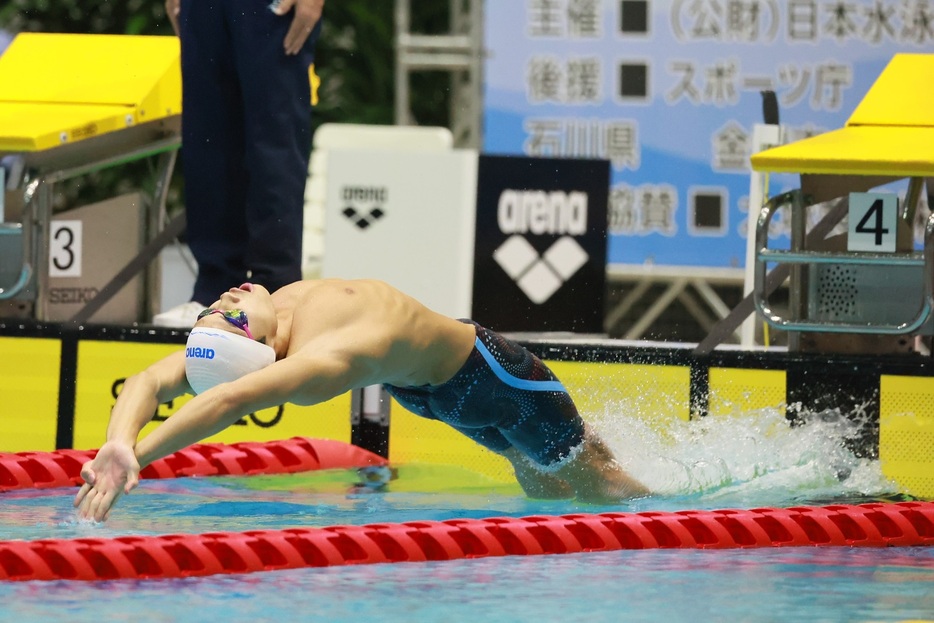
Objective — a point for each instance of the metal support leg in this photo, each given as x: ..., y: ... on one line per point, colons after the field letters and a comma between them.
x: 369, y: 419
x: 620, y: 311
x: 796, y: 299
x: 156, y: 221
x: 41, y: 225
x: 656, y: 309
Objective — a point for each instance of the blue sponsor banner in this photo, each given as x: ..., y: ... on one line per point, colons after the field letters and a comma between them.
x: 669, y: 92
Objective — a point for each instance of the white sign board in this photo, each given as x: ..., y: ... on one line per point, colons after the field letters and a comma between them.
x: 406, y: 218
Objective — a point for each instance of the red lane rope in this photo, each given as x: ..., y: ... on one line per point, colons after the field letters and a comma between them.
x: 62, y: 468
x: 135, y: 557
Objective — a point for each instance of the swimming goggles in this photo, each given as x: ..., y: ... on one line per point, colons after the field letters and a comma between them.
x: 236, y: 317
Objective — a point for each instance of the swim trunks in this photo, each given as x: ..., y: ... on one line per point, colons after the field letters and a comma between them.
x: 503, y: 396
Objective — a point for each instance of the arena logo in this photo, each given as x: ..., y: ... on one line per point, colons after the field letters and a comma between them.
x: 538, y: 212
x: 197, y: 352
x: 364, y: 217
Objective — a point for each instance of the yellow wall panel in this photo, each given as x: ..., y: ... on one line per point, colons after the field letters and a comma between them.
x: 414, y: 439
x: 656, y: 394
x: 906, y: 432
x: 29, y: 380
x: 739, y: 391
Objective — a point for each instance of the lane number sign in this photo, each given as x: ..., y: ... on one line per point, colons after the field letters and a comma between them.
x: 65, y: 249
x: 873, y: 222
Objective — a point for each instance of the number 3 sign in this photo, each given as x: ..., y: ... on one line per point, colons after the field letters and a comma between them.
x: 873, y: 222
x: 65, y: 249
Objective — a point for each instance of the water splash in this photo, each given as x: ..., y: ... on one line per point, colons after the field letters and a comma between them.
x: 755, y: 457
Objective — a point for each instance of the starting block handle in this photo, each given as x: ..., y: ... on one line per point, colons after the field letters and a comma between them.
x: 24, y: 276
x: 764, y: 255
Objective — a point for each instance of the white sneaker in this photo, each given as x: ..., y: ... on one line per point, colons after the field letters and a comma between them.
x: 181, y: 316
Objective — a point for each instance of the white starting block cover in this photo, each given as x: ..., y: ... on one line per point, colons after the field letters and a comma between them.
x: 395, y: 203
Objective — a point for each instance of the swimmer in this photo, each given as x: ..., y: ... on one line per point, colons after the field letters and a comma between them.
x: 313, y: 340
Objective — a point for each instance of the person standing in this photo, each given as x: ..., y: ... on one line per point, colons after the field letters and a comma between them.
x: 246, y: 138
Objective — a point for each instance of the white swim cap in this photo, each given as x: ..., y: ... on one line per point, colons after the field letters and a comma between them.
x: 215, y: 356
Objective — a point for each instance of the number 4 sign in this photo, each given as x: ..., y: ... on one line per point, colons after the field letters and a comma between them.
x: 873, y: 222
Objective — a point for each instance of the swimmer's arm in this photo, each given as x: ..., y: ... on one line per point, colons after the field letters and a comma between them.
x: 298, y: 379
x: 142, y: 394
x: 115, y: 469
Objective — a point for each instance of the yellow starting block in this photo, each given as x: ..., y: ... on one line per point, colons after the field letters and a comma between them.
x: 70, y: 105
x: 879, y: 285
x: 73, y: 104
x: 59, y: 88
x: 889, y: 136
x: 891, y: 132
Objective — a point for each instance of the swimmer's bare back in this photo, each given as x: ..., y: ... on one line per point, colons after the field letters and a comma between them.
x: 402, y: 340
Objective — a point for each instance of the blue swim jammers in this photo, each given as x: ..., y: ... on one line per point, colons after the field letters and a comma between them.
x: 503, y: 396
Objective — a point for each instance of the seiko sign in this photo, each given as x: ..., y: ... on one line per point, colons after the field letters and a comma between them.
x: 539, y: 212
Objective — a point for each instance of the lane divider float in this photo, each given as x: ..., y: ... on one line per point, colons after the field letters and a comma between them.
x: 62, y: 468
x: 173, y: 556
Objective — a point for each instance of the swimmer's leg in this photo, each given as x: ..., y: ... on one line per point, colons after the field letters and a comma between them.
x: 536, y: 483
x: 595, y: 475
x: 587, y: 471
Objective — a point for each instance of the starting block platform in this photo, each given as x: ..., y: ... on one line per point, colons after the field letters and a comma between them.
x: 869, y: 281
x: 866, y: 290
x: 70, y: 105
x: 59, y: 89
x: 890, y: 133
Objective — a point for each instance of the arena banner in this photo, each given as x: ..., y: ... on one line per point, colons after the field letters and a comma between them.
x: 669, y: 92
x: 540, y: 247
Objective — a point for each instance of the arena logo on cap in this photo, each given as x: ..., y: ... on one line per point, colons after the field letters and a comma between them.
x: 198, y: 352
x: 538, y: 212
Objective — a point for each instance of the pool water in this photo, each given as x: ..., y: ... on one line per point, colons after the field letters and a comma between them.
x: 648, y: 585
x: 744, y: 464
x: 327, y: 498
x: 814, y: 584
x: 783, y: 584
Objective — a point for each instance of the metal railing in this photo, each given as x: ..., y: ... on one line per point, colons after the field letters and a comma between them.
x: 798, y: 256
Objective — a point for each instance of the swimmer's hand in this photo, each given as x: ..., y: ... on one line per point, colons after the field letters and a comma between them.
x: 113, y: 472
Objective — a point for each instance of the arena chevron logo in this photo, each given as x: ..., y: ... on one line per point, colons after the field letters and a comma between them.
x: 363, y: 219
x: 540, y: 276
